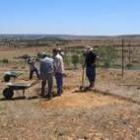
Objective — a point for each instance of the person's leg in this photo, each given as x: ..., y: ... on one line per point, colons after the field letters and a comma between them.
x: 37, y: 73
x: 43, y: 85
x: 59, y: 83
x: 31, y: 74
x: 62, y: 84
x: 90, y: 72
x: 50, y: 84
x: 92, y: 79
x: 94, y: 76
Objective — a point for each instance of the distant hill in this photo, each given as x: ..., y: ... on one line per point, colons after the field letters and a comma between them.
x: 20, y: 37
x: 27, y: 37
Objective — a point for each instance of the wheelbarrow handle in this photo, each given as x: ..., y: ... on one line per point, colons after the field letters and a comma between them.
x: 34, y: 83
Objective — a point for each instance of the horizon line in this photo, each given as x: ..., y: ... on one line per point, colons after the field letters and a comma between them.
x: 68, y: 34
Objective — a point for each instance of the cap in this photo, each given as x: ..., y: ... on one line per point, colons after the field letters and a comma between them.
x: 42, y: 54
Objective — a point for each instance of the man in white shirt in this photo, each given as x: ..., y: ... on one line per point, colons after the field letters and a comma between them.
x: 59, y: 70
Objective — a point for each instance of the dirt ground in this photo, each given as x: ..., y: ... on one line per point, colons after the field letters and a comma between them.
x: 110, y: 112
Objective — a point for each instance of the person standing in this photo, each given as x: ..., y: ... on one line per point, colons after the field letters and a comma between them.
x: 46, y: 74
x: 33, y: 68
x: 90, y: 64
x: 59, y: 70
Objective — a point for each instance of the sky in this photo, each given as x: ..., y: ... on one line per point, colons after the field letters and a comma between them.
x: 73, y: 17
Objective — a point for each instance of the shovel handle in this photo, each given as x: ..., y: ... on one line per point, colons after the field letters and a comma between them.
x: 83, y: 71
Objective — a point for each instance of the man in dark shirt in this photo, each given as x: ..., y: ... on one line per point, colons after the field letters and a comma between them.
x: 90, y: 64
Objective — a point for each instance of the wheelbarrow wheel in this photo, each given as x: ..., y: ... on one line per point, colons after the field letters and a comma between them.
x: 8, y: 93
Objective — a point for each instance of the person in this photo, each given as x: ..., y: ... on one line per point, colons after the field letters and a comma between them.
x: 90, y: 64
x: 33, y: 68
x: 59, y: 70
x: 46, y: 74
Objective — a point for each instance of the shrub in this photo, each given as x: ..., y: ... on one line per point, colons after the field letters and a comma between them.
x: 129, y: 65
x: 75, y: 60
x: 67, y: 60
x: 106, y: 64
x: 5, y: 60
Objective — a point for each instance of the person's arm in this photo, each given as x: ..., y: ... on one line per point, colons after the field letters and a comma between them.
x: 62, y: 66
x: 94, y: 57
x: 41, y: 67
x: 56, y: 64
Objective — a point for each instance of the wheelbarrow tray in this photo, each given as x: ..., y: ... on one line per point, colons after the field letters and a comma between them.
x: 18, y: 86
x: 13, y: 73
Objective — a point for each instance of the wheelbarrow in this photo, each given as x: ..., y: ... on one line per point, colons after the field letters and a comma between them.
x: 8, y: 92
x: 11, y: 74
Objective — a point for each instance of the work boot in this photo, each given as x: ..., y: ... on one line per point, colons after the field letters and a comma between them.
x: 40, y: 95
x: 49, y: 96
x: 91, y: 88
x: 85, y: 89
x: 58, y: 94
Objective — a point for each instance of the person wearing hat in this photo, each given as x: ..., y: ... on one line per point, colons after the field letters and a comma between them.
x: 46, y: 74
x: 90, y: 65
x: 59, y: 70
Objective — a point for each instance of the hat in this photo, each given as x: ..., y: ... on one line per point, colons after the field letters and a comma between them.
x: 89, y: 48
x: 42, y: 55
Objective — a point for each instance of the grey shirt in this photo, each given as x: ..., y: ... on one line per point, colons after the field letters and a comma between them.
x: 46, y: 67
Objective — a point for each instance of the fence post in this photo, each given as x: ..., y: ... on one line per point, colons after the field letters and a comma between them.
x: 129, y: 57
x: 122, y: 58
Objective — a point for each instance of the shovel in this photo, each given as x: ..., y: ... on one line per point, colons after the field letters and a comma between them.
x: 82, y: 86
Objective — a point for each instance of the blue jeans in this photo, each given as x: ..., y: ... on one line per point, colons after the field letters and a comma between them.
x: 59, y: 82
x: 91, y: 75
